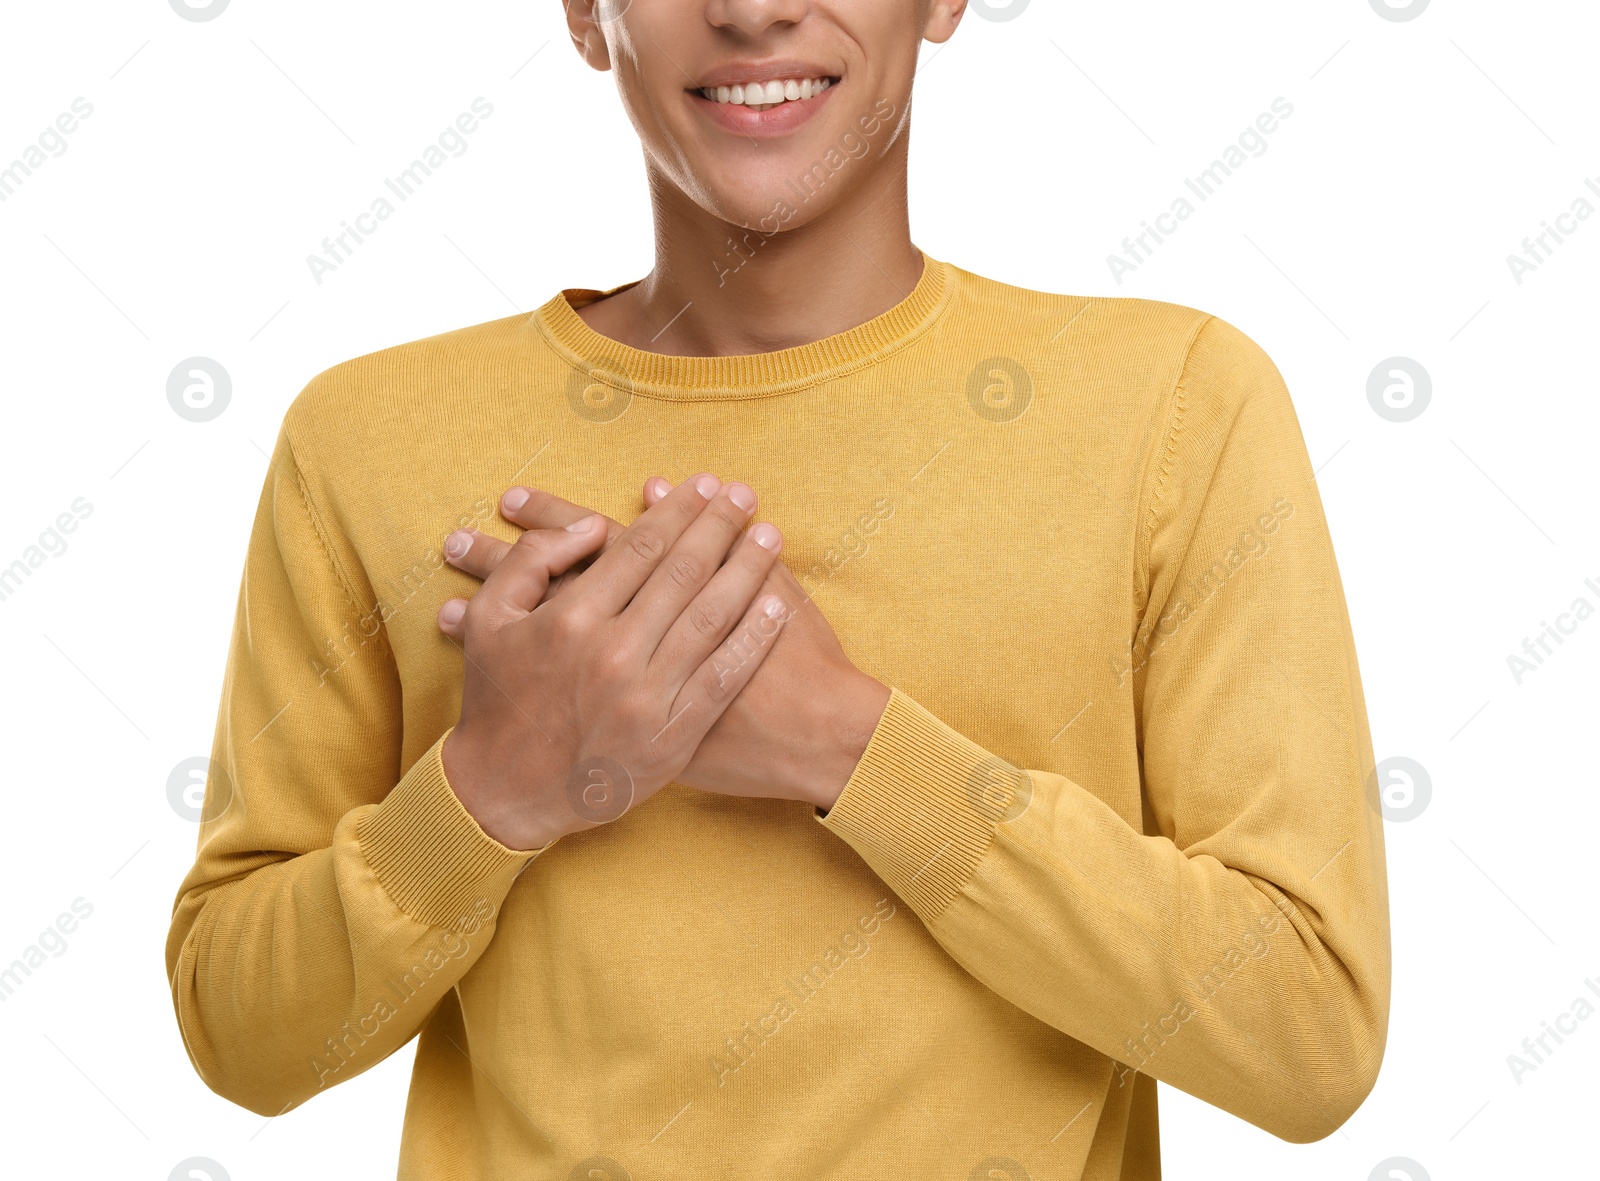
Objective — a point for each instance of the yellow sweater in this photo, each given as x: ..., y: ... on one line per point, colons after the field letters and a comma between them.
x: 1114, y: 826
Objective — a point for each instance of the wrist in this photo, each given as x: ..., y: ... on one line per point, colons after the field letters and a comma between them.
x: 505, y: 813
x: 850, y: 728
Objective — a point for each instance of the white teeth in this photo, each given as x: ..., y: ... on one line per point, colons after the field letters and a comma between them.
x: 761, y: 96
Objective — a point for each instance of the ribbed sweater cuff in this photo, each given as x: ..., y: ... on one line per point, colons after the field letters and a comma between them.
x: 428, y: 852
x: 911, y: 808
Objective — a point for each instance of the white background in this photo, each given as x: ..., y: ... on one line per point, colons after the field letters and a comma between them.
x: 220, y: 153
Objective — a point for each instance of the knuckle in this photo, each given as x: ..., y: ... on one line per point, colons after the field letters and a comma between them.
x: 646, y: 544
x: 758, y: 560
x: 686, y: 510
x: 686, y: 572
x: 614, y: 661
x: 568, y: 621
x: 533, y: 540
x: 708, y: 619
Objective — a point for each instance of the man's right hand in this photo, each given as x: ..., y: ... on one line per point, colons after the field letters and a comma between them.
x: 576, y: 708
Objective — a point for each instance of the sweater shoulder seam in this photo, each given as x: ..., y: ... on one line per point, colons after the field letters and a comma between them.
x: 1163, y: 453
x: 318, y: 527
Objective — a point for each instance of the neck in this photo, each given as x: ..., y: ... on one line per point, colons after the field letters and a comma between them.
x: 721, y: 290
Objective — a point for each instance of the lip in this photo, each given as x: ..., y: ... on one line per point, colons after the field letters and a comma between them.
x: 779, y: 120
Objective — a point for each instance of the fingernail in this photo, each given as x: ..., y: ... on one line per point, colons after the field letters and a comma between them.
x: 515, y: 499
x: 765, y: 535
x: 707, y: 485
x: 453, y: 611
x: 742, y: 495
x: 457, y: 544
x: 774, y: 609
x: 583, y: 525
x: 660, y: 486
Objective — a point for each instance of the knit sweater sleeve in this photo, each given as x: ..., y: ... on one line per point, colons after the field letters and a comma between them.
x: 336, y: 896
x: 1238, y: 946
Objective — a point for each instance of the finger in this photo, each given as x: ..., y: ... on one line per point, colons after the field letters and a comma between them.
x: 523, y: 573
x: 452, y: 618
x: 714, y: 685
x: 654, y: 489
x: 616, y: 575
x: 533, y: 508
x: 480, y: 555
x: 781, y: 581
x: 706, y: 622
x: 475, y: 553
x: 691, y: 565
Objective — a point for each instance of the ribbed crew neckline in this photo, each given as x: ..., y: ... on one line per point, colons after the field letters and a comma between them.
x: 749, y: 375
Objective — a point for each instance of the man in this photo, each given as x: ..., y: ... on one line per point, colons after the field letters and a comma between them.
x: 1034, y: 771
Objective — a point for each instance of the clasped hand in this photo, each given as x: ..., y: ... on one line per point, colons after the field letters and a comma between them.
x: 603, y: 662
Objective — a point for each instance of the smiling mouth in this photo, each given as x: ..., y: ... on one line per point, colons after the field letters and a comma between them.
x: 763, y: 96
